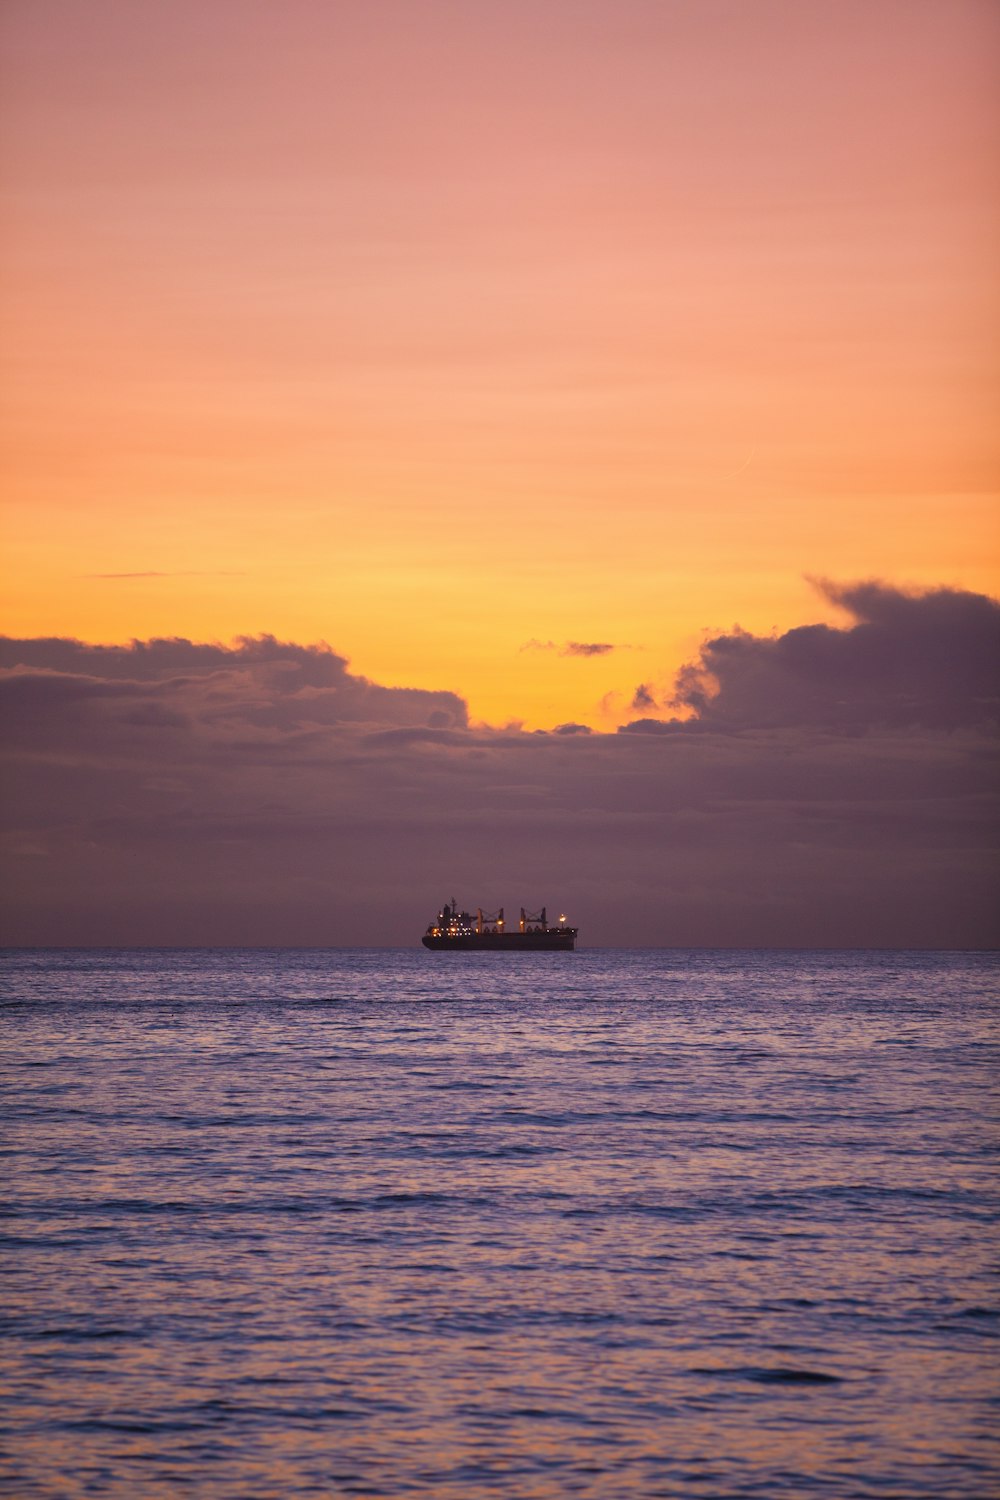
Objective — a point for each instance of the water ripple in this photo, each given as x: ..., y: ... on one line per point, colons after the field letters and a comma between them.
x: 602, y: 1225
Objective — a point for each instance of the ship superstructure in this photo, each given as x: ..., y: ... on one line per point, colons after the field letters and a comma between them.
x: 461, y: 930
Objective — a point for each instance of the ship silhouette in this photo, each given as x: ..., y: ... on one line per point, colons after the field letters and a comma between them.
x: 460, y: 930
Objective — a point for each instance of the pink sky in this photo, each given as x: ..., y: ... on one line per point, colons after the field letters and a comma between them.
x: 506, y: 321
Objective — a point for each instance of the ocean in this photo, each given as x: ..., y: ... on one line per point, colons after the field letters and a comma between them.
x: 609, y: 1225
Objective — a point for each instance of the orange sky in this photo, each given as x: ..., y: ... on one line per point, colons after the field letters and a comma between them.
x: 433, y: 329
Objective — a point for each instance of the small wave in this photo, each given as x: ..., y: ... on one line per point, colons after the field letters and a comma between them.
x: 770, y: 1375
x: 465, y: 1086
x: 123, y: 1424
x: 81, y: 1335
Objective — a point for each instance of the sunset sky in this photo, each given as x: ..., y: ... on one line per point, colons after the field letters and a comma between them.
x: 512, y: 350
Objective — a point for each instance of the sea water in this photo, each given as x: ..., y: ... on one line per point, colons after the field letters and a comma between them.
x: 603, y: 1224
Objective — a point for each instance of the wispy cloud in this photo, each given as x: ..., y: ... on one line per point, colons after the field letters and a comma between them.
x: 588, y: 648
x: 186, y: 573
x: 574, y: 648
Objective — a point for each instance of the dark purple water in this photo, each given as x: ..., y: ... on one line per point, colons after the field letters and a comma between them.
x: 527, y: 1226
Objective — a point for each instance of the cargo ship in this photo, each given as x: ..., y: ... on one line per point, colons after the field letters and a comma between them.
x: 455, y: 930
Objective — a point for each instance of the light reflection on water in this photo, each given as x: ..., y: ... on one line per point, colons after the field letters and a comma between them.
x: 533, y: 1226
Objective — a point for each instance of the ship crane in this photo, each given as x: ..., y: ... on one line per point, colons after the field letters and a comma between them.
x: 528, y: 917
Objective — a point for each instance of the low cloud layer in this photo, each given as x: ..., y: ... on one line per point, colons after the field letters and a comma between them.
x: 262, y: 682
x: 908, y: 660
x: 830, y: 787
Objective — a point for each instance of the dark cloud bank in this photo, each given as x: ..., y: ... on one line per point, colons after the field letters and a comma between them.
x: 823, y: 787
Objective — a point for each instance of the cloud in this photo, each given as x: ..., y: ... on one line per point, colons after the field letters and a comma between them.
x: 587, y: 648
x: 258, y: 681
x: 643, y: 697
x: 170, y: 791
x: 573, y: 648
x: 909, y: 659
x: 652, y: 726
x: 187, y: 573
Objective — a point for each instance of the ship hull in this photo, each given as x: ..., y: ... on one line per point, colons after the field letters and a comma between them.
x: 506, y: 942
